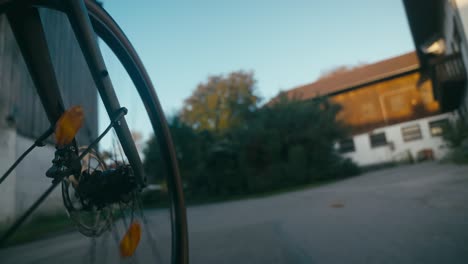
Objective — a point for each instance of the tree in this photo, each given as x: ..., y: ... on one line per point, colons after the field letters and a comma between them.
x: 339, y: 70
x: 286, y: 143
x: 222, y: 103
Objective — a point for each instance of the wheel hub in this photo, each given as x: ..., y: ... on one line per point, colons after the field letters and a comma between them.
x: 101, y: 188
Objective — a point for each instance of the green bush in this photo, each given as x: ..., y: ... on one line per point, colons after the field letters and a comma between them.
x: 455, y: 133
x: 283, y: 145
x: 456, y: 136
x: 226, y: 145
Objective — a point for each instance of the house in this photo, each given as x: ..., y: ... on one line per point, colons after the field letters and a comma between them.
x: 22, y: 118
x: 439, y: 29
x: 390, y: 108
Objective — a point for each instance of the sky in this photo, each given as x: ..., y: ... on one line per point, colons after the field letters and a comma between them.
x: 285, y: 43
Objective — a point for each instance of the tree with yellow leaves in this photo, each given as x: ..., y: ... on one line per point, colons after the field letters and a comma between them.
x: 222, y: 103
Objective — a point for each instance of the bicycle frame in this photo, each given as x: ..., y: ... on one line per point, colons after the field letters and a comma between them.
x: 28, y: 30
x: 29, y: 33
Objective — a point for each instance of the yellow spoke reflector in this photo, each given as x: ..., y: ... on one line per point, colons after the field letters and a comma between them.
x: 68, y: 125
x: 129, y: 242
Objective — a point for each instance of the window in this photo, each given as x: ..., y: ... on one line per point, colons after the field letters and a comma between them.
x: 346, y: 145
x: 411, y: 133
x: 378, y: 139
x: 438, y: 127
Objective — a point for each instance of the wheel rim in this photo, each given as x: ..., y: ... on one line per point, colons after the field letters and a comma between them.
x: 106, y: 28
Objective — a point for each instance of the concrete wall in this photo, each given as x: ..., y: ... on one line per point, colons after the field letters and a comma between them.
x: 28, y: 181
x: 31, y: 181
x: 462, y: 6
x: 20, y: 104
x: 364, y: 154
x: 8, y: 187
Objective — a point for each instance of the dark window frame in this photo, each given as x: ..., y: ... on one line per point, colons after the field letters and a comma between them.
x: 439, y: 123
x: 378, y: 140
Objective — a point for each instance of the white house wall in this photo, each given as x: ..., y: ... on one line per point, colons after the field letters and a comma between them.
x: 364, y: 154
x: 8, y: 187
x: 462, y: 6
x: 31, y: 180
x: 28, y: 181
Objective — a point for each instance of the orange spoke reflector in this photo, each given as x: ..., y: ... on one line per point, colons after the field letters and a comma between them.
x: 68, y: 125
x: 129, y: 242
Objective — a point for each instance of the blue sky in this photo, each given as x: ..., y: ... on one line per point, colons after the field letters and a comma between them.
x: 285, y: 43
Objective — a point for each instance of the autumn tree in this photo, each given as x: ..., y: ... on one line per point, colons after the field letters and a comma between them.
x: 222, y: 103
x: 288, y: 142
x: 338, y: 70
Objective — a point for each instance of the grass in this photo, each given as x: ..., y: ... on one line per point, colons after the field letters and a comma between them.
x: 197, y: 201
x: 227, y: 198
x: 39, y: 227
x: 380, y: 166
x: 458, y: 155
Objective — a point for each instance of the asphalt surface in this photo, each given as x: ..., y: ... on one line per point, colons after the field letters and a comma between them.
x: 409, y: 214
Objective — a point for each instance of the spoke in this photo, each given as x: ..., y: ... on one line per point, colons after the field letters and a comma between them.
x: 80, y: 22
x: 115, y: 234
x: 105, y: 249
x: 154, y: 249
x: 133, y: 208
x: 7, y: 173
x: 89, y: 134
x: 58, y: 176
x: 124, y: 218
x: 120, y: 151
x: 116, y: 146
x: 133, y: 258
x: 118, y: 115
x: 97, y: 218
x: 114, y: 152
x: 37, y: 143
x: 89, y: 164
x: 92, y: 250
x: 31, y: 209
x: 97, y: 166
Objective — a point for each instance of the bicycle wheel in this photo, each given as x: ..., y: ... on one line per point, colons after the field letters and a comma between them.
x: 106, y: 29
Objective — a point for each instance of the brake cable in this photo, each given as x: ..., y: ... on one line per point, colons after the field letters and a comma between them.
x: 39, y: 142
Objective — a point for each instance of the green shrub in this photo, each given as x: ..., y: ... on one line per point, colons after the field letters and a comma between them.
x: 283, y: 145
x: 456, y: 137
x: 455, y: 133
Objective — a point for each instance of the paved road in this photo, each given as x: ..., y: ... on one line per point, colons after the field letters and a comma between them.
x: 411, y: 214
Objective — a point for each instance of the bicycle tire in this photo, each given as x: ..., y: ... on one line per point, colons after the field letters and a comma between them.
x: 108, y: 30
x: 149, y: 97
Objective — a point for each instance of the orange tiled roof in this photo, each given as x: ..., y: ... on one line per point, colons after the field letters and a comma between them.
x: 357, y: 76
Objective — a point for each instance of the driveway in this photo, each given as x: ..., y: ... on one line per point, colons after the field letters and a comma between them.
x: 408, y: 214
